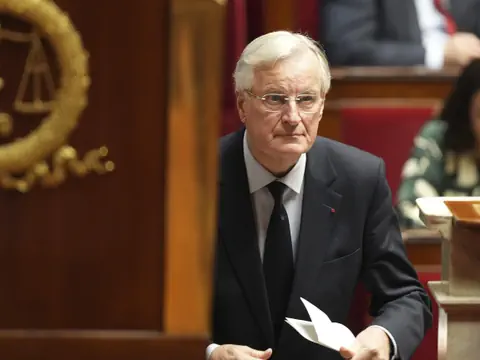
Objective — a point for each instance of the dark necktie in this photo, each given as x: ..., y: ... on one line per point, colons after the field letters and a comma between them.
x: 278, y: 259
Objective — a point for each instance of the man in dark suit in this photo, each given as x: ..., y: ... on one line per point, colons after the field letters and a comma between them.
x: 303, y: 216
x: 434, y: 33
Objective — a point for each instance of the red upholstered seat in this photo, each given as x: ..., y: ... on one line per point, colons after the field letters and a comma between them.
x: 387, y: 132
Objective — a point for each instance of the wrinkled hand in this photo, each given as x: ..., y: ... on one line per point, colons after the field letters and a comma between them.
x: 461, y: 49
x: 371, y: 344
x: 238, y: 352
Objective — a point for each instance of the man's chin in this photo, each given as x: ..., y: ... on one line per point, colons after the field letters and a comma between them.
x: 292, y: 148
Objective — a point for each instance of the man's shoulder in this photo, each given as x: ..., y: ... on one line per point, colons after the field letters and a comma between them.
x: 226, y: 140
x: 356, y: 171
x: 230, y: 149
x: 231, y: 142
x: 345, y: 158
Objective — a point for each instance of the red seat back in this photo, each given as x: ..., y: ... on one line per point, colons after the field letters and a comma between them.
x: 386, y: 132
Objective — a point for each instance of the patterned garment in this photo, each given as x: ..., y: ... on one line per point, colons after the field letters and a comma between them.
x: 431, y: 171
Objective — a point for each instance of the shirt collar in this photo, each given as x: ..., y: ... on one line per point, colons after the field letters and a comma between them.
x: 259, y: 177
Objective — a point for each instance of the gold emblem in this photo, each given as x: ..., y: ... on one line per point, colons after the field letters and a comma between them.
x: 43, y: 156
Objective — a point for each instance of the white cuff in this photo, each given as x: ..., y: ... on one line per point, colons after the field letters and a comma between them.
x: 209, y: 350
x: 395, y: 351
x: 435, y: 51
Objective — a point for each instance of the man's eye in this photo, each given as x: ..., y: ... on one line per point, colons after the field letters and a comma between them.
x: 306, y: 98
x: 275, y: 99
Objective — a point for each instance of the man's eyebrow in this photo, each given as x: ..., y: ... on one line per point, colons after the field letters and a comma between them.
x: 274, y: 89
x: 278, y: 89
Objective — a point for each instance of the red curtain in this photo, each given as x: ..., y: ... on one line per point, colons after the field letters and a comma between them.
x: 236, y: 39
x: 255, y: 18
x: 307, y: 21
x: 245, y: 19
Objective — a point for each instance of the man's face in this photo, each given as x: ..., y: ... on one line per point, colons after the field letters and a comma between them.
x: 475, y: 116
x: 277, y: 128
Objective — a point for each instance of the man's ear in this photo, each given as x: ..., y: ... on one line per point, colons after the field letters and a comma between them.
x: 241, y: 105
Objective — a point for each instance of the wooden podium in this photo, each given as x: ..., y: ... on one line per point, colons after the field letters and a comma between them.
x: 458, y: 294
x: 119, y: 267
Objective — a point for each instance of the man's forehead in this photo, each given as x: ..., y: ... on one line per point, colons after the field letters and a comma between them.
x: 301, y: 66
x: 287, y: 74
x: 303, y: 61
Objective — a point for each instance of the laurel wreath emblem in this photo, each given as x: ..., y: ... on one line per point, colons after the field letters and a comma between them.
x: 28, y: 154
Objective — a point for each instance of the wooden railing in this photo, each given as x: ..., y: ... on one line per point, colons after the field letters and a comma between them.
x: 424, y: 249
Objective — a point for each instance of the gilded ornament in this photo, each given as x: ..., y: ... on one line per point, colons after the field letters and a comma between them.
x: 44, y: 156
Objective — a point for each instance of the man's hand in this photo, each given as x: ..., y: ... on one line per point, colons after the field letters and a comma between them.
x: 238, y: 352
x: 461, y: 49
x: 371, y: 344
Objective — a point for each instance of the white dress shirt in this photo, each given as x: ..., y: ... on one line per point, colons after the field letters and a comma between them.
x: 263, y: 202
x: 434, y: 35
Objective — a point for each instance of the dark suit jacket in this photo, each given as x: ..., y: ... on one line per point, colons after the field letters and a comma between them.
x: 383, y: 32
x: 360, y: 241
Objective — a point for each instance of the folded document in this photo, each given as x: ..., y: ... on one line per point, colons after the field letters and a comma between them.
x: 321, y: 330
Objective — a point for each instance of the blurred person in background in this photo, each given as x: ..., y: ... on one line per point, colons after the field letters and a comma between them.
x: 445, y: 160
x: 432, y: 33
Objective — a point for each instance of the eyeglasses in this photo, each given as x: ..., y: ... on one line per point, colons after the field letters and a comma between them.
x: 306, y: 103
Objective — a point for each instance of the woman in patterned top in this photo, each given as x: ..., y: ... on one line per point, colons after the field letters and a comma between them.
x: 445, y: 160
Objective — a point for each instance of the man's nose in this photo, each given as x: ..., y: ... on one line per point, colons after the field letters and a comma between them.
x: 291, y: 113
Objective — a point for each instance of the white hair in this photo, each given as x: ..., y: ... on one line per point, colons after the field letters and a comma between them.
x: 272, y: 47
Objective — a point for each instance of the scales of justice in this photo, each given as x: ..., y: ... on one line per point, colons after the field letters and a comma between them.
x: 457, y: 219
x: 37, y: 74
x: 36, y: 95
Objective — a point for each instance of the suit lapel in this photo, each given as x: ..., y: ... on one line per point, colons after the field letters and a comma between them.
x: 319, y: 212
x: 238, y: 232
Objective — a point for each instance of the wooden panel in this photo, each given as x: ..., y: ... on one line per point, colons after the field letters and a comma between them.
x: 88, y: 255
x: 424, y: 254
x: 391, y: 82
x: 119, y: 266
x: 424, y: 248
x: 192, y: 164
x: 100, y: 346
x: 465, y: 212
x: 280, y: 15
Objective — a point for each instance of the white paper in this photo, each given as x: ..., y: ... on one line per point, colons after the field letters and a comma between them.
x: 321, y: 330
